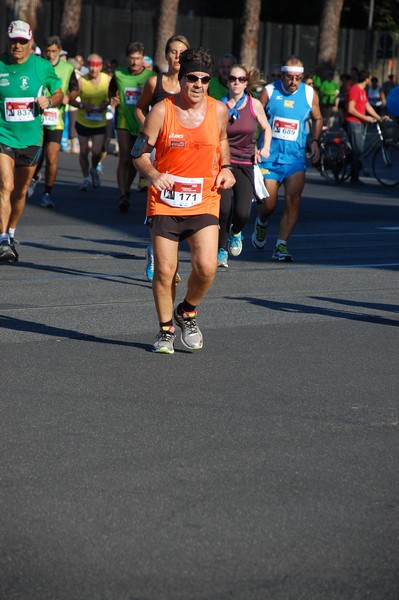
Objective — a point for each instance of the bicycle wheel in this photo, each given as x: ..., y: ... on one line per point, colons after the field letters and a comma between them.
x: 386, y: 165
x: 333, y: 163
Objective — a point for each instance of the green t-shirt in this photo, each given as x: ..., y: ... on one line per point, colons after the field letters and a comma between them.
x: 329, y: 91
x: 53, y: 118
x: 216, y: 89
x: 20, y: 116
x: 129, y: 88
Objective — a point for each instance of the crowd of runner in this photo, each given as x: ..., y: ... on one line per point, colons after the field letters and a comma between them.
x: 207, y: 141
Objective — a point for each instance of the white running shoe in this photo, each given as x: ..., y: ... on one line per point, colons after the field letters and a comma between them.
x: 223, y: 258
x: 234, y: 242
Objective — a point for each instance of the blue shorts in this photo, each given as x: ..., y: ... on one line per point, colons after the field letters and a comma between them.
x: 279, y: 171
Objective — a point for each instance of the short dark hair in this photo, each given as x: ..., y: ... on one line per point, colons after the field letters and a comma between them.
x: 363, y: 75
x: 135, y: 47
x: 198, y: 55
x: 53, y: 39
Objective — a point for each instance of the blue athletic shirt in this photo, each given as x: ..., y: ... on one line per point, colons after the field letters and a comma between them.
x: 287, y: 115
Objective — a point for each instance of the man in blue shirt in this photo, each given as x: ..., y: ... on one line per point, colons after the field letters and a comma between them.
x: 289, y: 102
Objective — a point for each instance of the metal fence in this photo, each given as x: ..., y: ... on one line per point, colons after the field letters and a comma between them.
x: 107, y: 31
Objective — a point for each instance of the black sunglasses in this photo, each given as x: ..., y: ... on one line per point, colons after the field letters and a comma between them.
x: 241, y: 79
x: 194, y: 78
x: 21, y: 41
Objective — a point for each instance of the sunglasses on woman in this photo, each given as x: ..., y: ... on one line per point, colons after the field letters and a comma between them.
x: 241, y: 79
x: 194, y: 78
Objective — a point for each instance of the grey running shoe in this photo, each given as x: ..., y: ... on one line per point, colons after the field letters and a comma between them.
x: 281, y: 254
x: 6, y: 252
x: 95, y: 177
x: 165, y: 339
x: 32, y: 186
x: 47, y: 201
x: 191, y: 335
x: 259, y: 235
x: 85, y: 184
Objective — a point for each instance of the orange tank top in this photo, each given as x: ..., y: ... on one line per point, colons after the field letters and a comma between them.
x: 192, y: 157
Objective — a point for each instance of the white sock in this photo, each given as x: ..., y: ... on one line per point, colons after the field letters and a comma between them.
x: 263, y: 223
x: 4, y: 237
x: 284, y: 242
x: 11, y: 232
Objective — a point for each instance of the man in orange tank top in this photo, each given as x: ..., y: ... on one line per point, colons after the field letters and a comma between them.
x: 192, y: 163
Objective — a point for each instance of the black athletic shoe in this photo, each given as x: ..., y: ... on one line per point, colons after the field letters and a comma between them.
x: 12, y: 244
x: 7, y: 252
x: 124, y: 204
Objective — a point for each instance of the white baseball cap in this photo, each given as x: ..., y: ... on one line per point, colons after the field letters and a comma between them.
x: 20, y: 29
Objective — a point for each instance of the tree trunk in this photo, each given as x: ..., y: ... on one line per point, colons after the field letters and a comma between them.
x: 70, y: 25
x: 327, y: 44
x: 249, y: 36
x: 27, y: 11
x: 166, y: 28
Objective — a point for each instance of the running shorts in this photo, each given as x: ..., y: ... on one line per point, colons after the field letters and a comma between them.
x: 179, y: 228
x: 23, y: 157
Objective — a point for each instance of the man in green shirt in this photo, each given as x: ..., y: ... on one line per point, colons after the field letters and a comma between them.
x: 218, y: 84
x: 329, y: 92
x: 24, y: 78
x: 53, y: 120
x: 125, y: 89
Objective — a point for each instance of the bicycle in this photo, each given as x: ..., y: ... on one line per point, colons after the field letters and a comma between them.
x: 336, y: 156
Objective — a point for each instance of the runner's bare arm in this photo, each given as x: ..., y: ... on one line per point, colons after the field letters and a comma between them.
x: 225, y: 178
x: 47, y: 101
x: 144, y: 101
x: 317, y: 127
x: 142, y: 160
x: 263, y: 152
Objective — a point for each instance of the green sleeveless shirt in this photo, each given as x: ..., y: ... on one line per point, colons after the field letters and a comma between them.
x: 129, y: 89
x: 53, y: 118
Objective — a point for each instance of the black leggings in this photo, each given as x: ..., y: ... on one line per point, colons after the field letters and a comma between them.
x: 236, y: 204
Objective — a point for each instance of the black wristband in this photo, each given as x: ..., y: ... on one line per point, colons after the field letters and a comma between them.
x: 317, y: 141
x: 227, y: 167
x: 50, y: 104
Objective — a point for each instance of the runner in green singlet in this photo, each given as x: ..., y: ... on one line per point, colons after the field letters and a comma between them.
x: 124, y: 90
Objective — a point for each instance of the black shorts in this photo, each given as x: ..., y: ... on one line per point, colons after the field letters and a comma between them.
x: 52, y: 135
x: 179, y: 228
x: 23, y: 157
x: 84, y: 131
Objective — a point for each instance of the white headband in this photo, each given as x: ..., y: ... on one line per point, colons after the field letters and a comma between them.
x: 292, y: 69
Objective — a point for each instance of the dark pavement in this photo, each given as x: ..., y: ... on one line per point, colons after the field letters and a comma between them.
x: 263, y: 467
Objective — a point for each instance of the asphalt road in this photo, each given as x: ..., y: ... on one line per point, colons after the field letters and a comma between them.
x: 263, y: 467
